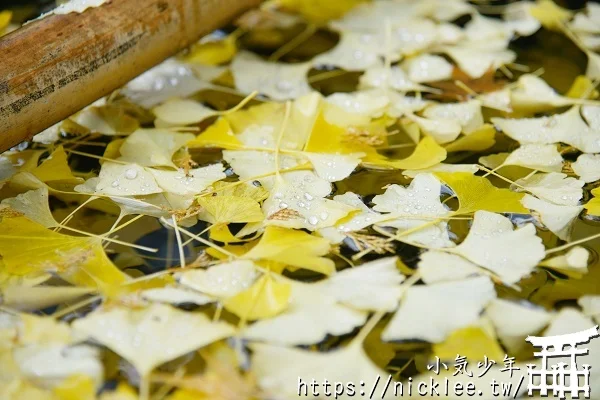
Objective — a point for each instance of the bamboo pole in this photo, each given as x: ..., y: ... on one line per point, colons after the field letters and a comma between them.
x: 55, y: 66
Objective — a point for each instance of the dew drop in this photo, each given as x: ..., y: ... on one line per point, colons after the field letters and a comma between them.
x: 131, y: 173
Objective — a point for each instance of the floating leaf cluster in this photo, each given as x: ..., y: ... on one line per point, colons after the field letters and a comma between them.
x: 328, y: 190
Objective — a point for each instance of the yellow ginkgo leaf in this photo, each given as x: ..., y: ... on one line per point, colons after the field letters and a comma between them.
x: 293, y: 247
x: 112, y: 151
x: 426, y: 154
x: 5, y: 18
x: 221, y: 233
x: 481, y: 139
x: 476, y: 193
x: 123, y: 392
x: 326, y: 137
x: 582, y: 87
x: 320, y: 11
x: 472, y: 342
x: 76, y: 387
x: 36, y: 298
x: 257, y: 193
x: 593, y: 206
x: 55, y: 168
x: 226, y: 209
x: 23, y: 390
x: 550, y: 14
x: 213, y: 52
x: 27, y: 247
x: 266, y: 298
x: 219, y: 135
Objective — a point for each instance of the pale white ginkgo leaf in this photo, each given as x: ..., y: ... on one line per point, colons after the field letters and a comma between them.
x: 156, y: 205
x: 49, y: 364
x: 151, y: 336
x: 475, y: 62
x: 276, y: 366
x: 248, y: 164
x: 541, y: 157
x: 587, y: 167
x: 558, y: 219
x: 432, y: 312
x: 34, y: 204
x: 591, y: 306
x: 428, y: 68
x: 467, y: 114
x: 554, y: 187
x: 489, y: 237
x: 125, y: 180
x: 487, y: 30
x: 153, y: 147
x: 514, y: 321
x: 354, y: 52
x: 371, y: 103
x: 373, y: 286
x: 576, y: 260
x: 170, y: 79
x: 411, y: 37
x: 279, y: 81
x: 442, y: 167
x: 448, y: 33
x: 442, y: 131
x: 333, y: 167
x: 411, y: 204
x: 569, y: 128
x: 533, y: 94
x: 443, y: 10
x: 76, y: 6
x: 193, y: 182
x: 221, y: 281
x: 401, y: 104
x: 382, y: 77
x: 591, y: 114
x: 180, y: 112
x: 588, y: 21
x: 368, y: 17
x: 366, y: 217
x: 387, y: 37
x: 437, y: 266
x: 49, y: 135
x: 519, y: 19
x: 333, y: 306
x: 497, y: 100
x: 175, y: 295
x: 311, y: 315
x: 305, y: 198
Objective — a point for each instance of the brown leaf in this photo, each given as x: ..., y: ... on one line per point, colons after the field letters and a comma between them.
x: 451, y: 91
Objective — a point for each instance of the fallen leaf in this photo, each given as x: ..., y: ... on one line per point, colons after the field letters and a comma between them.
x: 264, y: 299
x: 425, y: 314
x: 151, y: 336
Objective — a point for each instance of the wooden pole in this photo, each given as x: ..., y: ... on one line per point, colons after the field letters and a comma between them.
x: 55, y: 66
